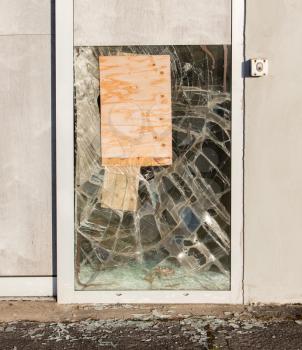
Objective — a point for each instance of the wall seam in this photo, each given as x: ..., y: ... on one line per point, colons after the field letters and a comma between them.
x: 244, y: 73
x: 26, y: 34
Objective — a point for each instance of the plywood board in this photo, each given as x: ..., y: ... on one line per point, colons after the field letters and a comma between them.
x: 120, y: 188
x: 136, y: 125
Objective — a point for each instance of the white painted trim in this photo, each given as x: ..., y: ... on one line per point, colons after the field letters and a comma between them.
x: 65, y: 176
x: 65, y: 150
x: 27, y: 286
x: 238, y: 9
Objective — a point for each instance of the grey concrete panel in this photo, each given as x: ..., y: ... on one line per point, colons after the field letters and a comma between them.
x: 152, y: 22
x: 25, y: 156
x: 25, y: 17
x: 273, y: 186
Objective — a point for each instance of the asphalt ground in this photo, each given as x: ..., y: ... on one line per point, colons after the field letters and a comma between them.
x: 149, y: 327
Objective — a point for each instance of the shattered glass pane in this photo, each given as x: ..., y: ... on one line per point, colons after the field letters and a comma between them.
x: 179, y: 235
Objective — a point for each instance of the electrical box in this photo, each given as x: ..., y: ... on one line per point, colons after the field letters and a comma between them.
x: 259, y: 67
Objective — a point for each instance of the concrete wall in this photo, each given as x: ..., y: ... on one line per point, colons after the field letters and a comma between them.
x: 273, y: 184
x: 25, y: 138
x: 151, y: 22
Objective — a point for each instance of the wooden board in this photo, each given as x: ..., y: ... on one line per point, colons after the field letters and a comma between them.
x: 136, y: 125
x: 120, y: 188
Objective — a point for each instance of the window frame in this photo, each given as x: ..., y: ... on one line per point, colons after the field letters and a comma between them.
x: 66, y: 292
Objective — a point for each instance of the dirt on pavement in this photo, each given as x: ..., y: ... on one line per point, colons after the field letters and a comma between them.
x: 47, y: 325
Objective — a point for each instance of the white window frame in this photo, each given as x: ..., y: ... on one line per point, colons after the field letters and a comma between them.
x: 65, y: 178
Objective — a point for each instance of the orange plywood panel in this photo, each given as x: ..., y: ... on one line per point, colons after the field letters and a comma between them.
x: 120, y: 188
x: 136, y: 125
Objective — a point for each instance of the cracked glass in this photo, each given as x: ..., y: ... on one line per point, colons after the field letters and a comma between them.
x: 177, y: 236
